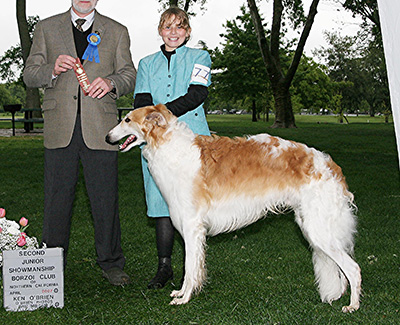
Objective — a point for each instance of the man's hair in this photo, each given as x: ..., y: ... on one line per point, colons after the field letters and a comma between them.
x: 179, y: 14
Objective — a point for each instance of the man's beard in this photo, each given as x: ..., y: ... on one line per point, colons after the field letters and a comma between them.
x: 83, y: 10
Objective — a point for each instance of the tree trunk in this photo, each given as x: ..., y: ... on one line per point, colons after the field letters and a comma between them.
x: 284, y: 117
x: 271, y: 56
x: 186, y: 4
x: 173, y: 3
x: 254, y: 111
x: 32, y: 94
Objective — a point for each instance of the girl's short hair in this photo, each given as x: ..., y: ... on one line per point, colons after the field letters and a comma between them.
x: 179, y: 14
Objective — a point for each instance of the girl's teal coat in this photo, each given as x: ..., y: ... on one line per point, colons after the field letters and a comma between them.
x: 187, y: 66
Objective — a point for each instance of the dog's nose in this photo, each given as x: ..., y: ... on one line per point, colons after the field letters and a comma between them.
x: 108, y: 140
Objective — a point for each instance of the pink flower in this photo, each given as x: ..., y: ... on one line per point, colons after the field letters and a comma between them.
x: 2, y: 213
x: 1, y: 229
x: 23, y: 222
x: 21, y: 240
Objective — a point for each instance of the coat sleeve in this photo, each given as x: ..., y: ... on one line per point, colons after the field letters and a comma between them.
x: 38, y: 71
x: 143, y: 78
x: 124, y: 75
x: 201, y: 73
x: 197, y: 91
x: 195, y: 96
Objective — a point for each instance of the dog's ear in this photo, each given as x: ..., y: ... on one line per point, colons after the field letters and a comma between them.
x: 156, y: 118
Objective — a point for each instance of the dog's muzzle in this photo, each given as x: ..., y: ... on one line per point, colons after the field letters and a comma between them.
x: 108, y: 140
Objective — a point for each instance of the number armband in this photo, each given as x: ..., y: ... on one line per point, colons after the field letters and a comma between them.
x: 200, y: 74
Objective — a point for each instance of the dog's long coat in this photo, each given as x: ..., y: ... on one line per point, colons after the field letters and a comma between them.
x: 217, y: 184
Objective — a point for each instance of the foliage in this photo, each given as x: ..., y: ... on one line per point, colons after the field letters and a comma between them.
x: 271, y: 51
x: 294, y: 13
x: 239, y: 73
x: 312, y: 88
x: 373, y: 57
x: 360, y: 65
x: 184, y: 4
x: 11, y: 63
x: 5, y: 95
x: 261, y: 274
x: 12, y: 93
x: 367, y: 10
x: 238, y: 69
x: 125, y: 101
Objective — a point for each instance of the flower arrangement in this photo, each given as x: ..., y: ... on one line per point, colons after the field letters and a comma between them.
x: 13, y: 236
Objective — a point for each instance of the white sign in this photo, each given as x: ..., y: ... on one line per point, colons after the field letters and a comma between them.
x: 33, y: 278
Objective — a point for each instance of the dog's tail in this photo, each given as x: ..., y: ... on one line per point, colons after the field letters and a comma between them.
x: 331, y: 281
x: 327, y: 220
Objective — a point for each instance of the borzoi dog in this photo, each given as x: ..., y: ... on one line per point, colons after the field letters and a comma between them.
x: 217, y: 184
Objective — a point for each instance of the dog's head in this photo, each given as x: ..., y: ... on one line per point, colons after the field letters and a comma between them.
x: 147, y: 124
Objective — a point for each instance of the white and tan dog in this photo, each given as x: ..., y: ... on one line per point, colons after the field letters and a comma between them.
x: 218, y: 184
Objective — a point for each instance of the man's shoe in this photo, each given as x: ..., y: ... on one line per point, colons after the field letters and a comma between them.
x: 116, y: 276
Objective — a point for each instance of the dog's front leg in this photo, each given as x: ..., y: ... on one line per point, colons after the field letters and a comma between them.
x: 194, y: 236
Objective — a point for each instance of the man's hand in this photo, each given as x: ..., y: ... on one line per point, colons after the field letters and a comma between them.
x: 63, y: 64
x: 99, y: 87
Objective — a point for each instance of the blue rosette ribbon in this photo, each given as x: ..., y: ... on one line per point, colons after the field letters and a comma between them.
x: 92, y: 51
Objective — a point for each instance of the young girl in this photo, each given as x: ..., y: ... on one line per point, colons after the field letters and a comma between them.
x: 177, y: 76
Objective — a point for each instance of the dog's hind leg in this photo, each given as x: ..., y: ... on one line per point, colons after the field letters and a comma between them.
x: 352, y: 272
x: 331, y: 281
x: 194, y: 236
x: 329, y: 230
x: 328, y: 276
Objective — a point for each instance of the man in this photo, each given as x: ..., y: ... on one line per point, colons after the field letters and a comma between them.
x: 75, y: 125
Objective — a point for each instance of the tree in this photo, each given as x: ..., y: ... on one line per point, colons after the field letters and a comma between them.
x: 360, y: 65
x: 125, y: 101
x: 12, y: 63
x: 312, y: 89
x: 32, y: 94
x: 366, y: 9
x: 239, y: 69
x: 184, y: 4
x: 373, y: 60
x: 13, y: 93
x: 5, y: 95
x: 342, y: 59
x: 373, y: 55
x: 270, y: 50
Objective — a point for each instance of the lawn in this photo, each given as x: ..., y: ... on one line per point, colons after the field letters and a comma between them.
x: 261, y: 274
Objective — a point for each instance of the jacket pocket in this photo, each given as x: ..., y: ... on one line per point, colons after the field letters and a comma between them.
x: 109, y: 106
x: 49, y: 104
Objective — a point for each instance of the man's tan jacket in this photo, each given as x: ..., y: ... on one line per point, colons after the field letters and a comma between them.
x: 53, y: 37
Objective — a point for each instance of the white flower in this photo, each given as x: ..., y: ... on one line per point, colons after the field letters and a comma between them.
x: 13, y: 231
x: 9, y: 236
x: 12, y: 224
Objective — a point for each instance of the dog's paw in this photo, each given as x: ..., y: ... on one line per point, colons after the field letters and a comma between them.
x: 349, y: 309
x: 180, y: 297
x: 179, y: 301
x: 176, y: 293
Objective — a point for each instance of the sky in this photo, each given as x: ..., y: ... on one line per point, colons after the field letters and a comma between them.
x: 141, y: 19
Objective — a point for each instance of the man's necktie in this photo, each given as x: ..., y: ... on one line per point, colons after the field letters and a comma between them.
x: 79, y: 22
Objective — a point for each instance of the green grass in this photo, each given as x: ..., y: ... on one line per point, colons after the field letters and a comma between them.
x: 261, y: 274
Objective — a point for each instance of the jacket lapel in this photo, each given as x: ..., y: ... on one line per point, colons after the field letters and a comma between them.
x: 66, y: 33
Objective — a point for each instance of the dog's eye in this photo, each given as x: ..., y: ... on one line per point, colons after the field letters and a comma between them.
x: 127, y: 120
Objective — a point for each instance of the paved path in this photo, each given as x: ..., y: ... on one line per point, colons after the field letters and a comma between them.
x: 20, y: 132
